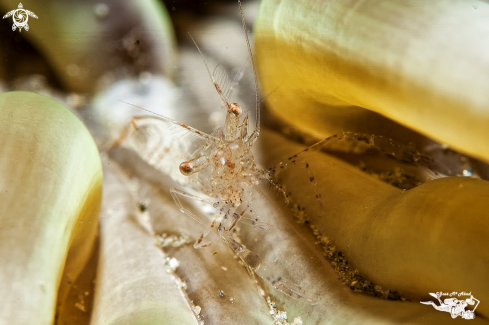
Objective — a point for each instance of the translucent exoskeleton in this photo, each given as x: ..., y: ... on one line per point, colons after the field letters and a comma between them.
x: 221, y: 170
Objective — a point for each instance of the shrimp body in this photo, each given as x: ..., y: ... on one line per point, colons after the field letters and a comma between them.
x: 227, y: 169
x: 226, y: 161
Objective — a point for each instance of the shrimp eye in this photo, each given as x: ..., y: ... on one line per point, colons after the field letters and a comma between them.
x: 235, y: 109
x: 186, y: 168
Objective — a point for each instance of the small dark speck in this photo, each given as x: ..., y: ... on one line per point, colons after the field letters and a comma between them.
x: 137, y: 42
x: 142, y: 206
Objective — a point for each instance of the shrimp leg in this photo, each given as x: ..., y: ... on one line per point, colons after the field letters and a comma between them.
x: 200, y: 242
x: 253, y: 263
x: 224, y: 222
x: 255, y: 266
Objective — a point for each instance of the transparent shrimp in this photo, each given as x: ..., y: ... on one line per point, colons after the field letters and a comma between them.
x: 222, y: 169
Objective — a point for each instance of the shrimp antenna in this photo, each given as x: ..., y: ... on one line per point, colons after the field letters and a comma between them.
x: 257, y: 127
x: 167, y: 119
x: 147, y: 110
x: 219, y: 91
